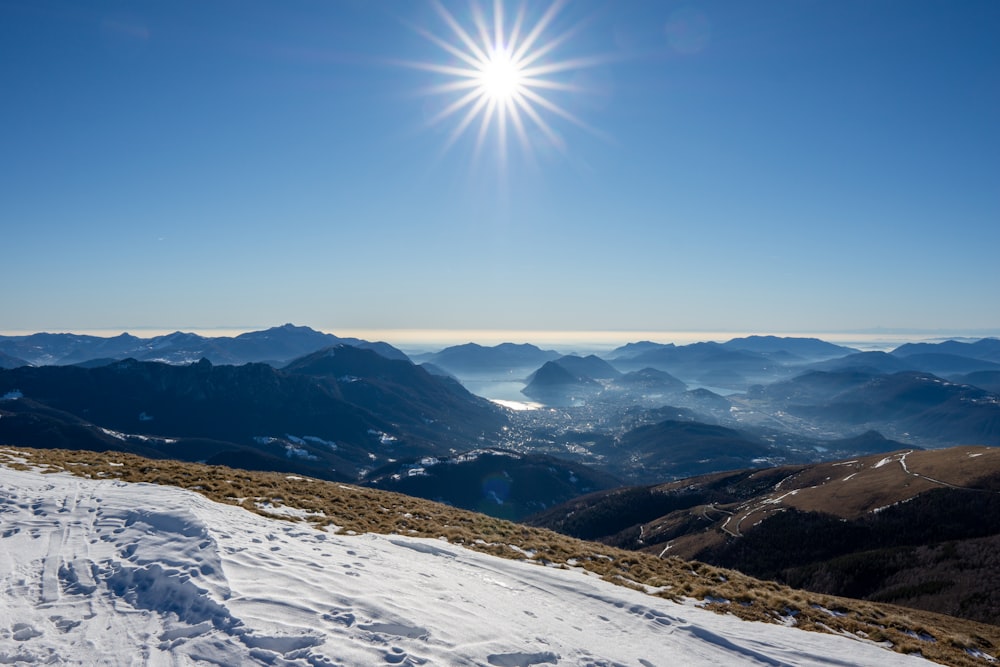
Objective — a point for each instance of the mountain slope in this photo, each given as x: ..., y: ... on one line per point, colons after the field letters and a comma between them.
x: 708, y: 363
x: 987, y: 349
x: 650, y: 379
x: 872, y: 527
x: 675, y: 448
x: 553, y: 383
x: 196, y: 400
x: 500, y: 360
x: 435, y: 408
x: 988, y: 380
x: 917, y: 406
x: 803, y: 348
x: 333, y: 429
x: 590, y: 366
x: 108, y: 570
x: 8, y: 361
x: 499, y: 483
x: 867, y: 362
x: 630, y: 350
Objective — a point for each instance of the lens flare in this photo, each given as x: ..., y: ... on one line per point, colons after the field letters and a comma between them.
x: 499, y: 76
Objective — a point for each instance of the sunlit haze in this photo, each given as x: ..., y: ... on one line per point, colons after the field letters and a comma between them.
x: 429, y: 171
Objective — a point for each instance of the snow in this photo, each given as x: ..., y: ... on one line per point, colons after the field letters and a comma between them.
x: 106, y: 572
x: 291, y: 451
x: 286, y: 511
x: 316, y: 440
x: 383, y: 438
x: 118, y: 435
x: 777, y: 501
x: 976, y: 653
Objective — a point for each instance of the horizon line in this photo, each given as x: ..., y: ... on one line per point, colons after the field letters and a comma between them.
x: 424, y: 338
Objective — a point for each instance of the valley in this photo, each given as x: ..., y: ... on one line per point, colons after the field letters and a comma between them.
x: 803, y: 439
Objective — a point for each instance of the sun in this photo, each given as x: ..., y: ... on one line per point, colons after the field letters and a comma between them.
x: 500, y: 78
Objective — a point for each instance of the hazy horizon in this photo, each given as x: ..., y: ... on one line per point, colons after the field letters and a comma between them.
x: 425, y: 340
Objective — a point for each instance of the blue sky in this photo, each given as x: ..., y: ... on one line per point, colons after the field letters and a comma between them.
x: 769, y: 166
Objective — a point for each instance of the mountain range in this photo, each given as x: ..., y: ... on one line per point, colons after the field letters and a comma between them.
x: 333, y: 414
x: 835, y: 398
x: 734, y: 364
x: 740, y: 363
x: 276, y: 346
x: 921, y: 407
x: 349, y: 409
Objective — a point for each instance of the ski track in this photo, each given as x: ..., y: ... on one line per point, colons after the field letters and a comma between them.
x: 104, y: 572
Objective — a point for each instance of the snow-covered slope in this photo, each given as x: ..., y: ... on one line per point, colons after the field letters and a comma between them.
x: 110, y: 573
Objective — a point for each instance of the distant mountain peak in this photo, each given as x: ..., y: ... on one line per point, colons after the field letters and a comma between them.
x: 278, y: 344
x: 472, y: 358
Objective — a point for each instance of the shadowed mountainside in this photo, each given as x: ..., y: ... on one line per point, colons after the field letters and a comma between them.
x: 927, y: 408
x: 675, y: 448
x: 332, y: 426
x: 499, y: 483
x: 435, y: 408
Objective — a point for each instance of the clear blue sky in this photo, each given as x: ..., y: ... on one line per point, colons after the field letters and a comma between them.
x: 745, y: 166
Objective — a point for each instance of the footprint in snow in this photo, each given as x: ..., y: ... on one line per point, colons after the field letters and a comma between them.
x: 397, y: 656
x: 522, y: 659
x: 397, y: 630
x: 22, y: 632
x: 340, y: 616
x: 64, y: 624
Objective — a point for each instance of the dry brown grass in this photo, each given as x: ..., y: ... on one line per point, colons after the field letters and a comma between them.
x: 959, y: 466
x: 359, y: 510
x: 847, y: 489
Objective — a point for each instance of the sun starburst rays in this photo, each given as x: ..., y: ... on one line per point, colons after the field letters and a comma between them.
x: 499, y: 80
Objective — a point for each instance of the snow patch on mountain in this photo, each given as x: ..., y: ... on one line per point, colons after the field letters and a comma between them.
x: 107, y: 572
